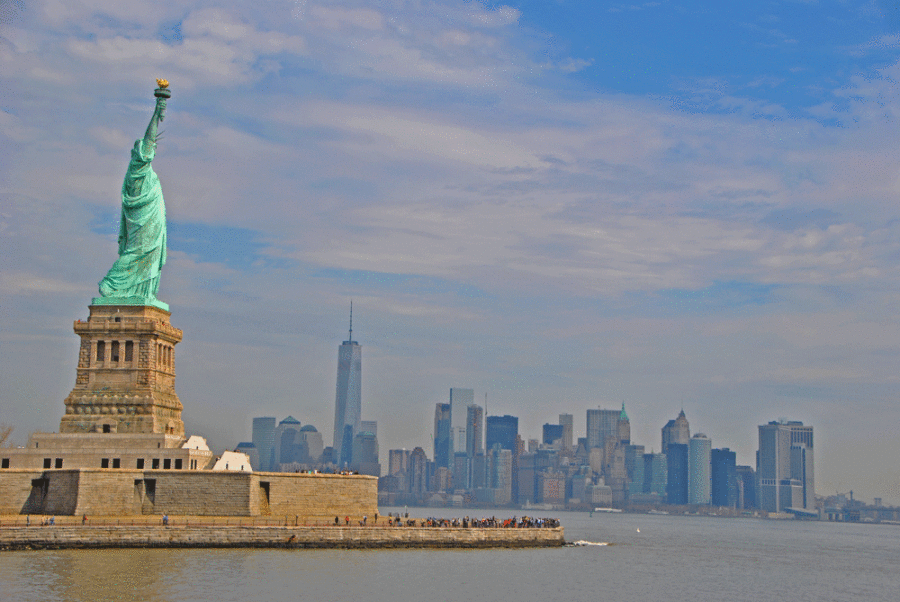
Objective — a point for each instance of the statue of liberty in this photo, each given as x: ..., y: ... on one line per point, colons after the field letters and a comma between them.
x: 134, y: 277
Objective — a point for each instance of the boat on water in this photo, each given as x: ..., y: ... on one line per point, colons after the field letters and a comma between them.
x: 654, y: 511
x: 605, y: 509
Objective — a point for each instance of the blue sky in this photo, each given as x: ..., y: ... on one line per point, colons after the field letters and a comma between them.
x: 562, y: 205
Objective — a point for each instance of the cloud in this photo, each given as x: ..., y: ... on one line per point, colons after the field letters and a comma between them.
x: 572, y: 65
x: 216, y: 48
x: 495, y: 227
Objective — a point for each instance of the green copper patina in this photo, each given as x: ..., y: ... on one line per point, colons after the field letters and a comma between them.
x: 134, y: 277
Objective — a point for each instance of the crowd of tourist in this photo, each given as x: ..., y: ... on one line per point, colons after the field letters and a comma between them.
x: 523, y: 522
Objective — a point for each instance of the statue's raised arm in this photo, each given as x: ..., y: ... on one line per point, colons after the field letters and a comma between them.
x: 134, y: 277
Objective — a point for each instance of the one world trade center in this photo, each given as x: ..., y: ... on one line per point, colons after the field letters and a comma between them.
x: 348, y: 398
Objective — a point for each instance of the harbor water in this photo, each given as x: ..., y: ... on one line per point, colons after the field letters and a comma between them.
x: 623, y: 557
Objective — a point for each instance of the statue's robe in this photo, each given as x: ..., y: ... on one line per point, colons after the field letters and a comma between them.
x: 142, y: 231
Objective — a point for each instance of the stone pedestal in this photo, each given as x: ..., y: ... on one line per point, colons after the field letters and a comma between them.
x: 126, y: 373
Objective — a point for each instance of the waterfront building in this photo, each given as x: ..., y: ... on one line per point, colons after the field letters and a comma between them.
x: 699, y: 480
x: 746, y: 487
x: 724, y: 478
x: 263, y: 438
x: 785, y: 466
x: 676, y: 431
x: 677, y: 468
x: 348, y: 398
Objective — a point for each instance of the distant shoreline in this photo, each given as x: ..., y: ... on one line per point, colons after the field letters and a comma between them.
x: 300, y: 537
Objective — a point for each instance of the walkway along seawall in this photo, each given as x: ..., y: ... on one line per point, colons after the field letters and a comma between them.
x: 184, y: 536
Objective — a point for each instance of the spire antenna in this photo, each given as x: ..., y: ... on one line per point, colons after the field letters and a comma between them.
x: 351, y: 321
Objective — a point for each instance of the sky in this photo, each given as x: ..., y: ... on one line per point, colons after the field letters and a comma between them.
x: 561, y: 204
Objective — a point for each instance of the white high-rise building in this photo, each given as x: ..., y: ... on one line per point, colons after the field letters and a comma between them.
x: 348, y: 399
x: 784, y: 466
x: 699, y: 470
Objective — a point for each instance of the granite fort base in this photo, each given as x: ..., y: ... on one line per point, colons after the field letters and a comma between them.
x: 186, y: 492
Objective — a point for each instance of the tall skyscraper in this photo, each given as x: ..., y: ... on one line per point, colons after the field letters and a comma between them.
x: 566, y: 420
x: 623, y: 427
x: 418, y: 472
x: 677, y: 485
x: 601, y: 425
x: 474, y: 430
x: 785, y: 466
x: 503, y: 430
x: 460, y: 400
x: 699, y: 481
x: 443, y: 445
x: 656, y: 474
x: 724, y: 478
x: 634, y: 468
x: 286, y: 442
x: 348, y: 399
x: 264, y: 439
x: 676, y: 431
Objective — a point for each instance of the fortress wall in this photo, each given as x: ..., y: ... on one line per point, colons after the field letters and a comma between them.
x: 275, y: 537
x: 124, y: 492
x: 109, y: 492
x: 321, y: 496
x: 16, y: 491
x: 201, y: 492
x: 62, y: 492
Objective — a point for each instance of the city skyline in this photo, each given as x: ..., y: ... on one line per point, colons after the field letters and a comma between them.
x: 565, y: 206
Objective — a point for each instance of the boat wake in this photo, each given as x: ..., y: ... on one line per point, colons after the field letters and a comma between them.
x: 582, y: 542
